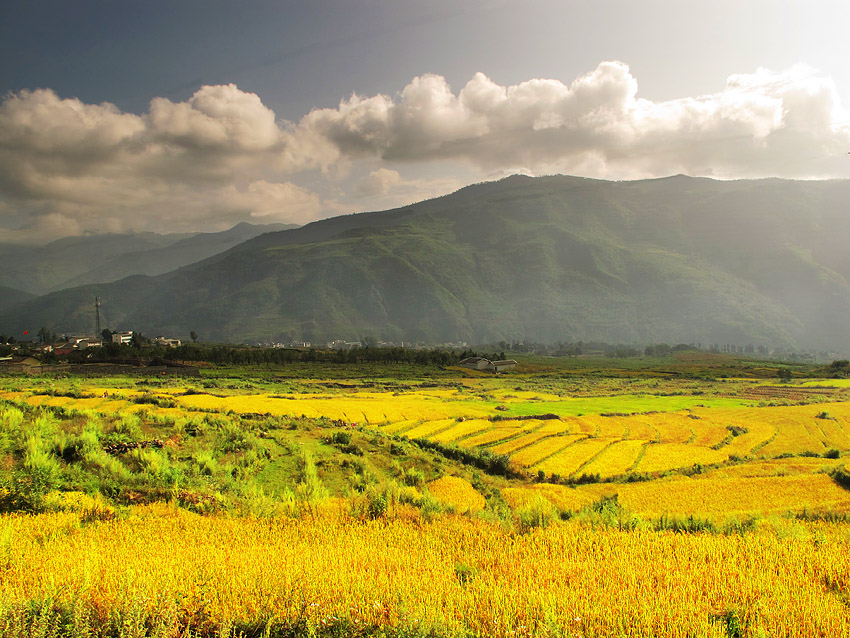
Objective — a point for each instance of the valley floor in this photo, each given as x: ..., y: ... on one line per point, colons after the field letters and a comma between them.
x: 273, y: 503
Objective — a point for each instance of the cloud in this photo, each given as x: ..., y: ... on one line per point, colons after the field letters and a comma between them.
x: 379, y: 182
x: 209, y: 162
x: 764, y: 123
x: 222, y: 156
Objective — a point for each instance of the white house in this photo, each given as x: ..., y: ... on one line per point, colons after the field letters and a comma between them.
x: 480, y: 363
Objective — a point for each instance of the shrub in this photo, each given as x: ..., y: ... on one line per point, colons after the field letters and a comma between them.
x: 681, y: 525
x: 608, y: 512
x: 340, y: 437
x: 413, y: 477
x: 538, y: 513
x: 310, y: 490
x: 205, y: 463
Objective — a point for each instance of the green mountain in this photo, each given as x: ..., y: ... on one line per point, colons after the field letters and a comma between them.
x: 556, y: 258
x: 74, y: 261
x: 11, y: 297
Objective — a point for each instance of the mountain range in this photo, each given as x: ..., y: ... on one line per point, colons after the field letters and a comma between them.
x: 75, y: 261
x: 556, y: 258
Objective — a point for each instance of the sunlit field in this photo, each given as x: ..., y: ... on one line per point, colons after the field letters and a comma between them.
x: 463, y: 504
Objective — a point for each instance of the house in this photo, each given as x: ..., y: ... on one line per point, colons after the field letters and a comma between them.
x: 122, y: 337
x: 18, y: 363
x: 480, y: 363
x: 166, y: 343
x: 506, y: 364
x: 476, y: 363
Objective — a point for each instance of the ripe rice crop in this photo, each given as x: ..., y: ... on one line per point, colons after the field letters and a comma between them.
x: 708, y: 433
x: 674, y: 427
x: 462, y: 429
x: 659, y: 457
x: 618, y: 458
x: 536, y: 452
x: 500, y: 430
x: 728, y: 496
x: 834, y: 433
x: 604, y: 427
x: 570, y: 459
x: 641, y: 427
x: 172, y: 573
x: 801, y: 435
x: 775, y: 467
x: 458, y: 493
x: 399, y: 426
x: 563, y: 497
x: 429, y: 428
x: 511, y: 446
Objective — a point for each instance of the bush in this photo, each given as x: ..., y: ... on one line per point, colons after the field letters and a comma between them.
x: 681, y: 525
x: 539, y: 513
x: 340, y: 437
x: 413, y: 477
x: 608, y: 512
x: 310, y: 490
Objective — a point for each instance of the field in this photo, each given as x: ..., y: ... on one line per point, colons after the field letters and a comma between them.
x: 574, y: 502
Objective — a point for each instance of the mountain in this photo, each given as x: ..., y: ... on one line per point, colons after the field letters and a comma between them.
x: 678, y: 259
x: 75, y: 261
x: 10, y: 297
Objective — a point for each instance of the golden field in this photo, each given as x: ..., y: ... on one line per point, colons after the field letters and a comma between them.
x: 472, y: 507
x: 166, y: 572
x: 677, y: 438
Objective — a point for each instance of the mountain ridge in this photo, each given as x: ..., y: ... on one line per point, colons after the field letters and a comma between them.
x: 554, y: 258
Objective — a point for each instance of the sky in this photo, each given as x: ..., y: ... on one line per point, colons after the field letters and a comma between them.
x: 120, y: 116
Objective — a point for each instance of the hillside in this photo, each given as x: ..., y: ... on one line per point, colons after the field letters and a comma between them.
x: 10, y: 297
x: 557, y: 258
x: 75, y: 261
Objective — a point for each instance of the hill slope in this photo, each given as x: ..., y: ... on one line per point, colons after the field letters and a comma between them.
x: 555, y: 258
x: 74, y: 261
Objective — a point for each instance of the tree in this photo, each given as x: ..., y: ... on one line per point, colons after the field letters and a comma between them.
x: 784, y: 374
x: 194, y: 336
x: 106, y: 333
x: 44, y: 335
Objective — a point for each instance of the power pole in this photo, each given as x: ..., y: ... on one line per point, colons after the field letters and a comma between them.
x: 97, y: 313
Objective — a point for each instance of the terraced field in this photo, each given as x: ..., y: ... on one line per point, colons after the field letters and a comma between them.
x: 608, y: 435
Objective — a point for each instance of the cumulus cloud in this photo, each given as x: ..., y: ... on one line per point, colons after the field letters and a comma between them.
x: 764, y: 123
x: 222, y: 155
x: 379, y: 182
x: 218, y: 158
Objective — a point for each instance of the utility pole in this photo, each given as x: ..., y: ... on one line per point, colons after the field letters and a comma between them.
x: 97, y: 314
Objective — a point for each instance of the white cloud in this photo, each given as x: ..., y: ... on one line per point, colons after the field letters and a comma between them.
x: 215, y: 117
x: 764, y: 123
x: 222, y: 156
x: 207, y: 163
x: 379, y: 182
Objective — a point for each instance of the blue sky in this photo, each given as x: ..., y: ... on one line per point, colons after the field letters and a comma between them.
x: 196, y: 115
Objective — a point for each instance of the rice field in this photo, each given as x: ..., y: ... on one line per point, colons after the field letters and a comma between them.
x: 413, y: 542
x: 166, y: 572
x: 707, y: 431
x: 710, y: 496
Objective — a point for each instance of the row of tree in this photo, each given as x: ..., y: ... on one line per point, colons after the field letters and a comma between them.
x: 141, y: 349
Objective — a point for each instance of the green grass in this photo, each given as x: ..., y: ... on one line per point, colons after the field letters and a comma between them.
x: 626, y: 404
